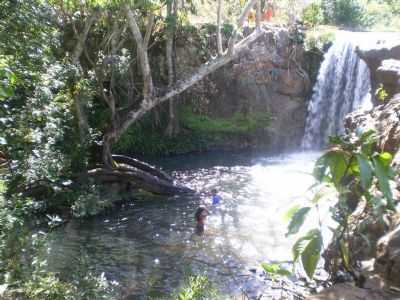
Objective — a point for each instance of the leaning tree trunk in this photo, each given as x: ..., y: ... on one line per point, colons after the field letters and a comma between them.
x: 172, y: 127
x: 150, y: 99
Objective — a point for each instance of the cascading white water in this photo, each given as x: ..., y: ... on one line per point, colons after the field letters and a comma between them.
x: 343, y: 85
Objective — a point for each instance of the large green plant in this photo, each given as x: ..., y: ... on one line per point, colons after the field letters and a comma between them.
x: 358, y: 172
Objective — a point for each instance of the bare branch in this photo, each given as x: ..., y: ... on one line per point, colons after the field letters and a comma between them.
x: 181, y: 86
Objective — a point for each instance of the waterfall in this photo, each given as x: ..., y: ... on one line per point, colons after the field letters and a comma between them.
x: 343, y: 85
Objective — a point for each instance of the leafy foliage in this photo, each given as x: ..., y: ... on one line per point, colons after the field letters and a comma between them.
x: 275, y: 269
x: 381, y: 94
x: 196, y: 288
x: 312, y: 15
x: 357, y: 172
x: 373, y: 14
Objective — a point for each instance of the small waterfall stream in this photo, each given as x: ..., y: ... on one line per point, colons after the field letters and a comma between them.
x: 343, y: 85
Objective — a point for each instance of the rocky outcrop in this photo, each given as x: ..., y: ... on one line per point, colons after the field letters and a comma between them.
x: 383, y: 119
x: 388, y: 74
x: 380, y: 59
x: 388, y: 257
x: 266, y: 79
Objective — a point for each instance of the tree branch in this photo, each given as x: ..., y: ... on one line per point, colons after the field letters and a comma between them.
x: 143, y: 55
x: 76, y: 54
x: 181, y: 86
x: 219, y: 38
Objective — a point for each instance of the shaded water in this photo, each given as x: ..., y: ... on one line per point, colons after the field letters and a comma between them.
x: 147, y: 247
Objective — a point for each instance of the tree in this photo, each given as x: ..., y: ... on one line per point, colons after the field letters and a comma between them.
x: 139, y: 21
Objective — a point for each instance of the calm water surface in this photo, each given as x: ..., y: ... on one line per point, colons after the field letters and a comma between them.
x: 147, y: 247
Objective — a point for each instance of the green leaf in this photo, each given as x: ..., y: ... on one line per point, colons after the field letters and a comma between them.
x: 336, y: 160
x: 302, y: 242
x: 297, y: 220
x: 365, y: 171
x: 275, y: 269
x: 338, y: 165
x: 385, y: 158
x: 320, y: 168
x: 382, y: 173
x: 311, y: 254
x: 324, y: 190
x: 309, y: 249
x: 290, y: 213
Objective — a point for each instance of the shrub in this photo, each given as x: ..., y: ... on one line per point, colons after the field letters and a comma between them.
x: 349, y: 13
x: 196, y: 288
x: 313, y: 15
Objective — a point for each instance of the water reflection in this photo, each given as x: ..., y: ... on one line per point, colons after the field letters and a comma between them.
x: 148, y: 246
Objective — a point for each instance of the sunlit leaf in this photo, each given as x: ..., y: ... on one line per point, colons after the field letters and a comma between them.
x: 324, y: 191
x: 290, y: 213
x: 336, y: 160
x: 385, y: 158
x: 312, y: 253
x: 297, y: 220
x: 382, y: 173
x: 275, y: 269
x: 302, y: 242
x: 365, y: 171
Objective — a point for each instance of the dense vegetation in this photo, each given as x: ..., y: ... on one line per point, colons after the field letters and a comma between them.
x: 70, y: 80
x: 354, y: 175
x: 354, y: 14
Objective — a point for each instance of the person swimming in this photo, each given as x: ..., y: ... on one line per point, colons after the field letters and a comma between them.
x: 200, y: 216
x: 216, y: 199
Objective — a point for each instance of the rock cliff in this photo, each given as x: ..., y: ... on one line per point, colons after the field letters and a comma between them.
x: 267, y: 79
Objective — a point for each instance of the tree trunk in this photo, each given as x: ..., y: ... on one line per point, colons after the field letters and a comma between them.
x: 109, y: 139
x: 172, y: 127
x: 219, y: 20
x: 146, y: 106
x: 150, y: 100
x: 76, y: 54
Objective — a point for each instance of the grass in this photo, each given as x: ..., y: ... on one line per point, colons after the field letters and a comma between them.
x: 238, y: 123
x: 198, y: 133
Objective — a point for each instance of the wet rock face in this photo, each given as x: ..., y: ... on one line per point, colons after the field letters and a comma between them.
x: 388, y: 74
x: 267, y: 78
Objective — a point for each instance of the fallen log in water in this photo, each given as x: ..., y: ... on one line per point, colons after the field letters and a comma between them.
x: 139, y: 179
x: 142, y: 166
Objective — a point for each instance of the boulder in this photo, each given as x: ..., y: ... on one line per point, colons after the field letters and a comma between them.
x: 387, y: 261
x: 388, y: 74
x: 384, y: 119
x: 375, y: 55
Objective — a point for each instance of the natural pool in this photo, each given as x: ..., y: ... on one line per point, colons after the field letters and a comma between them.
x: 149, y: 246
